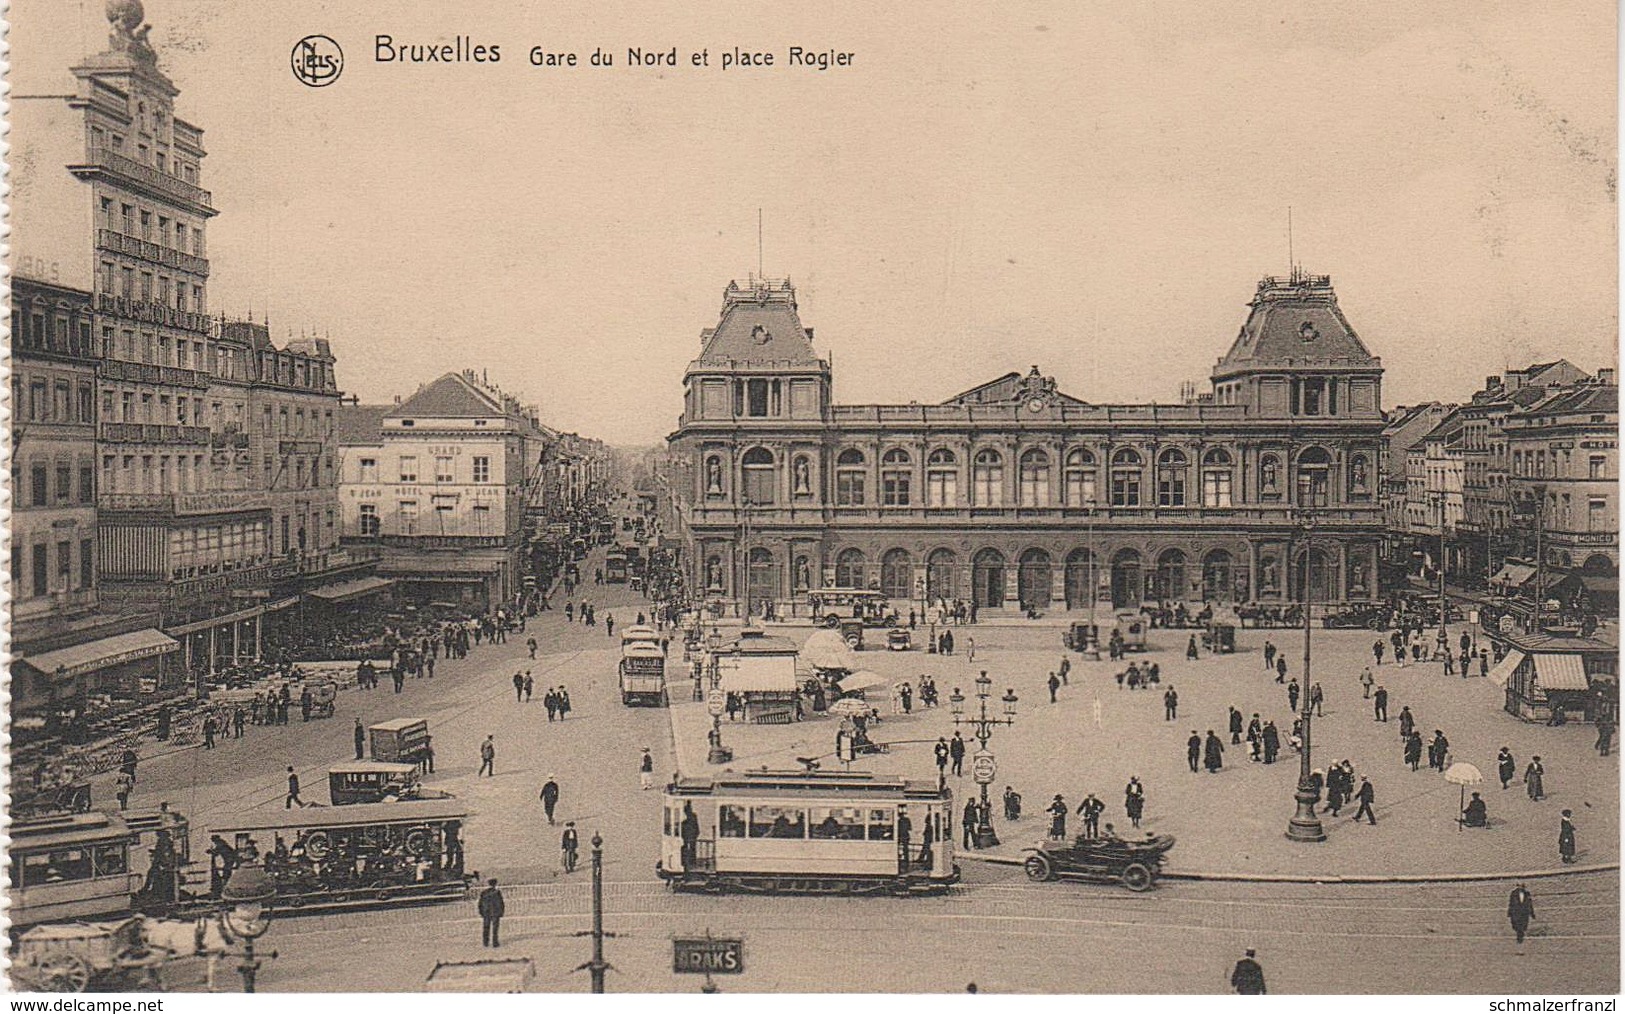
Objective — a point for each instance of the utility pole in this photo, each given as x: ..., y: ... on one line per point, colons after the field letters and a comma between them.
x: 597, y: 966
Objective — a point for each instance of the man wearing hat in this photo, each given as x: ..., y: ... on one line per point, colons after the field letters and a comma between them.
x: 1520, y: 909
x: 491, y: 908
x: 569, y: 844
x: 1248, y: 978
x: 1366, y: 796
x: 550, y: 797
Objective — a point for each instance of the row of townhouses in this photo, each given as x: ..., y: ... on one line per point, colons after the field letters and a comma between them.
x: 1525, y: 471
x: 178, y: 500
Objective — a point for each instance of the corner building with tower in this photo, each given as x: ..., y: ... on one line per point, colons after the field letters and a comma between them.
x: 1016, y: 494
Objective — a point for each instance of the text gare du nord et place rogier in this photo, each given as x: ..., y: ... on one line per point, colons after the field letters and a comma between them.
x: 463, y: 49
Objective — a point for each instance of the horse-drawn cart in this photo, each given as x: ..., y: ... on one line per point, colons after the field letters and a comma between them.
x: 74, y: 957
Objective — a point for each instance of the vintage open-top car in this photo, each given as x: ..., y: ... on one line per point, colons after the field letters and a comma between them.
x: 1134, y: 863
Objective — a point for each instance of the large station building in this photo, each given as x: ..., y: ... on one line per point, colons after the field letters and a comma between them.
x: 1015, y: 493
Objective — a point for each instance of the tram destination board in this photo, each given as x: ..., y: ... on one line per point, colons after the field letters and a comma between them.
x: 708, y: 956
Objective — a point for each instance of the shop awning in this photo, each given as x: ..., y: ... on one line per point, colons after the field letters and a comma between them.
x: 344, y: 591
x: 1560, y: 672
x: 94, y: 655
x: 1514, y: 574
x: 1503, y: 669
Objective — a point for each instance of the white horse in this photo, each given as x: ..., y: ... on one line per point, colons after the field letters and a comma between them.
x: 204, y: 937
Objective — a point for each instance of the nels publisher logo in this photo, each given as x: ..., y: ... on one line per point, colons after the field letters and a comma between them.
x: 317, y: 61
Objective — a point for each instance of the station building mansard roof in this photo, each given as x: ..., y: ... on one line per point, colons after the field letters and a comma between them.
x: 1015, y: 493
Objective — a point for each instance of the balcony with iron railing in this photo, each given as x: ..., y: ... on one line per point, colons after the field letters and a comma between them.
x: 153, y: 433
x: 102, y: 159
x: 182, y: 504
x: 132, y: 246
x: 1014, y: 516
x: 148, y: 312
x: 147, y: 373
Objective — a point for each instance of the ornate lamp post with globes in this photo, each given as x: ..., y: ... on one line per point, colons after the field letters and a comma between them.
x: 983, y: 768
x: 1305, y: 825
x: 247, y: 892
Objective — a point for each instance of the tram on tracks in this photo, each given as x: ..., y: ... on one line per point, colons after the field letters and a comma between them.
x: 349, y: 856
x: 71, y: 867
x: 793, y: 832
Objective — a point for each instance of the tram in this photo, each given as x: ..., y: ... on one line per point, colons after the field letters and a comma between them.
x: 69, y: 867
x: 791, y: 832
x: 364, y: 853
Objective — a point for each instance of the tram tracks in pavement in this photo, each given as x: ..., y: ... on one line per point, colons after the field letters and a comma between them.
x: 1043, y: 909
x: 469, y: 704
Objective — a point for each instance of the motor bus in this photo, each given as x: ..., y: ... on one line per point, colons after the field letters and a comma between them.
x: 642, y: 668
x: 829, y: 606
x: 615, y: 567
x: 808, y: 833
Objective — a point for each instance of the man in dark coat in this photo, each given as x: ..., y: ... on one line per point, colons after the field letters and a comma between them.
x: 1248, y: 978
x: 491, y: 909
x: 1054, y: 685
x: 1170, y: 704
x: 1213, y: 753
x: 1091, y: 809
x: 550, y: 797
x: 1272, y: 742
x: 1413, y: 750
x: 967, y: 822
x: 1193, y: 751
x: 1505, y: 767
x: 956, y: 753
x: 1407, y: 722
x: 941, y: 752
x: 1235, y: 725
x: 1438, y: 750
x: 360, y: 740
x: 1280, y: 669
x: 1520, y: 909
x: 1379, y: 704
x: 1366, y: 795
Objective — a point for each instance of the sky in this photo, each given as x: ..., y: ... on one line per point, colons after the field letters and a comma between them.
x: 1093, y: 188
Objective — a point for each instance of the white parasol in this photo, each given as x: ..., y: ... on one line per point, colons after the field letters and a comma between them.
x: 825, y: 649
x: 1463, y: 774
x: 863, y: 679
x: 850, y: 707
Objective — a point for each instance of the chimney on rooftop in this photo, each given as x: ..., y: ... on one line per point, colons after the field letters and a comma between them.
x: 1492, y: 383
x: 1605, y: 376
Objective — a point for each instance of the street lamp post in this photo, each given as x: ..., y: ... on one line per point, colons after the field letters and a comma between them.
x: 247, y: 892
x: 1540, y: 554
x: 1092, y: 642
x: 983, y: 767
x: 1305, y: 825
x: 1442, y: 647
x: 718, y: 754
x: 744, y: 540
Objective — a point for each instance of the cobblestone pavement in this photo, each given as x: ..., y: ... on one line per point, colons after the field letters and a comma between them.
x: 1233, y: 821
x: 593, y: 754
x: 1001, y: 932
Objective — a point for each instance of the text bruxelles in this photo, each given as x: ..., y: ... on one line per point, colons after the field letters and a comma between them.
x: 463, y: 49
